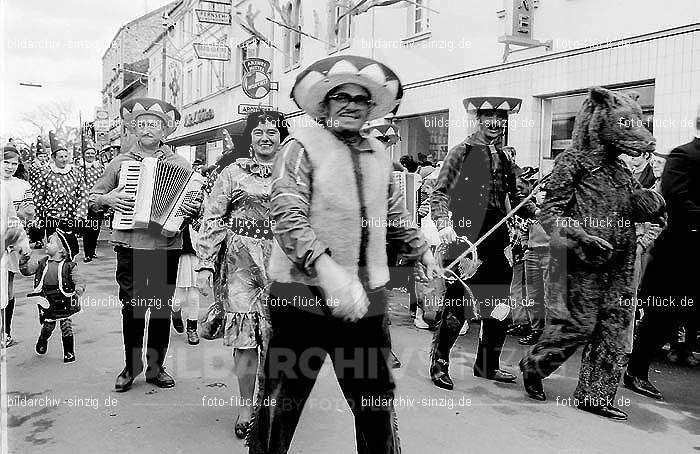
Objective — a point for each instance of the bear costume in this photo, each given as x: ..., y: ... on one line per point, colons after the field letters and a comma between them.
x: 592, y: 203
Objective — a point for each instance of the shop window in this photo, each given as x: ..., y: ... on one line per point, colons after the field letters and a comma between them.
x: 559, y: 114
x: 426, y: 134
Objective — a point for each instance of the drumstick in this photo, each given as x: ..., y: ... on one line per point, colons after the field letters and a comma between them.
x: 510, y: 214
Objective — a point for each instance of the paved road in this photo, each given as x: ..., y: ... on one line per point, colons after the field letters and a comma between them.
x: 75, y: 410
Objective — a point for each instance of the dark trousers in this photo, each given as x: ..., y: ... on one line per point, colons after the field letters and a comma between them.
x: 491, y: 283
x: 7, y: 315
x: 657, y: 327
x: 91, y: 232
x: 301, y: 339
x: 537, y: 276
x: 146, y: 281
x: 36, y: 232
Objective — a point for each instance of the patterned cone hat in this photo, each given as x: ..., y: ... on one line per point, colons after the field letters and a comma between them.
x: 56, y: 145
x: 387, y: 133
x: 315, y: 82
x: 509, y: 105
x: 133, y: 108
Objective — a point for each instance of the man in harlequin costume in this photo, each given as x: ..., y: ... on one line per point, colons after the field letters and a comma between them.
x: 147, y: 261
x: 476, y: 183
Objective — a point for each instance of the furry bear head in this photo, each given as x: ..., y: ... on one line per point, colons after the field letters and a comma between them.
x: 613, y: 122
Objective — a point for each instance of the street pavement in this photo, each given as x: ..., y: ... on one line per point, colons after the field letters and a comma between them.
x: 57, y: 408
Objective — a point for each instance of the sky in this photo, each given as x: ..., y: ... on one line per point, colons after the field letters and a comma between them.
x: 58, y: 44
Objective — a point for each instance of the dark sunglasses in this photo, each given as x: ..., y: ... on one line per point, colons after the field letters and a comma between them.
x: 344, y: 99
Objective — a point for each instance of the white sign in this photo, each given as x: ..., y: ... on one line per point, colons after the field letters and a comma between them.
x: 212, y: 51
x: 245, y: 109
x: 214, y: 17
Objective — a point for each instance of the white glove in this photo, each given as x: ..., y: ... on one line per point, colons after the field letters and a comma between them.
x: 345, y: 295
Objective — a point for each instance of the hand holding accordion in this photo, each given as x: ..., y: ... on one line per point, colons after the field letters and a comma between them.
x: 160, y: 189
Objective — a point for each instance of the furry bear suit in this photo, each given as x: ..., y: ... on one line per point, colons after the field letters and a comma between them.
x: 592, y: 203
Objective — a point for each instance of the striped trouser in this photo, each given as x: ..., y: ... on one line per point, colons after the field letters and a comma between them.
x: 66, y: 328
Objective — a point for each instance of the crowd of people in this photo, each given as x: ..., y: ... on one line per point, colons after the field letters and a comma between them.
x: 298, y: 241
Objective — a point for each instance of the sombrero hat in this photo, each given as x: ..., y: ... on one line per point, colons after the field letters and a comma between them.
x: 315, y: 82
x: 133, y: 108
x: 387, y: 133
x: 509, y: 105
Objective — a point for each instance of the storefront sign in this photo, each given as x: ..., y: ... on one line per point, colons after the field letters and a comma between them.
x: 213, y: 17
x: 198, y: 116
x: 256, y: 83
x: 245, y: 109
x: 523, y: 12
x: 212, y: 51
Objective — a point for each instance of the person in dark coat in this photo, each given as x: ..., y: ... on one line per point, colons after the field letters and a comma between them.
x: 476, y: 183
x: 669, y: 292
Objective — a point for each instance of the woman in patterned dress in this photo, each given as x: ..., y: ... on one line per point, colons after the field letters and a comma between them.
x: 236, y: 214
x: 60, y: 195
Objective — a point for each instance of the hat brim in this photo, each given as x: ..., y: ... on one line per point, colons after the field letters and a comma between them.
x: 170, y: 124
x: 310, y: 96
x: 500, y: 103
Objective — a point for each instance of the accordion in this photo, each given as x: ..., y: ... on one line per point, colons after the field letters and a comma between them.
x: 160, y: 188
x: 409, y: 185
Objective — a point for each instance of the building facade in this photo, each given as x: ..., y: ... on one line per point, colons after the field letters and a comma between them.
x: 125, y: 69
x: 444, y: 51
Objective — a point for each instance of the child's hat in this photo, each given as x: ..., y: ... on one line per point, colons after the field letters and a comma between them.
x: 69, y: 242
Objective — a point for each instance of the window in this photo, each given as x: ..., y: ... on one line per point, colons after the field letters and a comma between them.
x: 296, y: 38
x: 343, y: 28
x: 188, y: 85
x: 200, y: 80
x: 287, y: 19
x: 426, y: 134
x: 210, y: 72
x: 559, y: 114
x: 222, y: 73
x: 419, y: 17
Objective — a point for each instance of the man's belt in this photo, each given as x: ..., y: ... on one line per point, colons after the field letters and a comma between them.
x: 252, y: 228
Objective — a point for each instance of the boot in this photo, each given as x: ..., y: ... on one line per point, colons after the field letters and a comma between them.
x: 177, y: 322
x: 41, y: 345
x: 192, y: 337
x: 68, y: 354
x: 439, y: 374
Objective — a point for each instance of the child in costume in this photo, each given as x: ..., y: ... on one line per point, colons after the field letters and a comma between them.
x: 58, y: 283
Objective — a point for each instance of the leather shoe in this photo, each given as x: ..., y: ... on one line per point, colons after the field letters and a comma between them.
x: 162, y: 380
x: 498, y: 375
x: 641, y: 386
x: 607, y: 411
x: 124, y: 380
x: 533, y: 385
x: 531, y: 339
x: 439, y: 374
x: 518, y: 330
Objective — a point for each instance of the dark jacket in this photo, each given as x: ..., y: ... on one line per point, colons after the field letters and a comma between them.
x: 667, y: 274
x: 63, y: 302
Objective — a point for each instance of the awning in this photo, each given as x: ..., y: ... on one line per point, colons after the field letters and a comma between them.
x: 235, y: 128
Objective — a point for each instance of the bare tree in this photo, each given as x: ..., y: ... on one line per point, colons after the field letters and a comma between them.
x: 51, y: 116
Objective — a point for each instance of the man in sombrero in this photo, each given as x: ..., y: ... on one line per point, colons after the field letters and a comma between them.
x: 477, y: 184
x: 333, y: 207
x: 146, y: 260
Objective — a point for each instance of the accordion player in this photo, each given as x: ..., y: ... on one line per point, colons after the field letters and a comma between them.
x: 160, y: 188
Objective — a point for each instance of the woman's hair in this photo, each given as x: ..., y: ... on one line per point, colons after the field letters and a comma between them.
x: 11, y: 152
x: 256, y: 118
